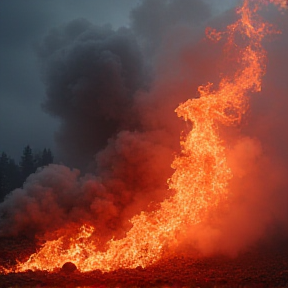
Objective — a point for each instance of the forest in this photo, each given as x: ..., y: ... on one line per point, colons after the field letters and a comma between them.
x: 13, y: 175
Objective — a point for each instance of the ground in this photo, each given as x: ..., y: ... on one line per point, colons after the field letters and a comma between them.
x: 262, y: 265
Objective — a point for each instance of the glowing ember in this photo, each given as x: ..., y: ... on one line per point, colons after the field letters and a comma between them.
x: 201, y: 172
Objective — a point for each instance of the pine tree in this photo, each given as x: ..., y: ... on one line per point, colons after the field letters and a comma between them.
x: 3, y: 175
x: 47, y: 157
x: 37, y: 160
x: 27, y: 163
x: 10, y: 177
x: 43, y: 158
x: 13, y: 176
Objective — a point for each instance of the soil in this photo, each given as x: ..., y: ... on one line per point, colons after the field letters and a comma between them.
x: 263, y: 265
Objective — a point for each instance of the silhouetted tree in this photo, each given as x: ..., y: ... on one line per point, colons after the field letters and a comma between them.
x: 37, y: 160
x: 47, y: 157
x: 3, y: 175
x: 43, y: 158
x: 13, y: 176
x: 10, y: 177
x: 27, y: 163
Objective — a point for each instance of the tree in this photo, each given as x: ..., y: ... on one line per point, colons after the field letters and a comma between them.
x: 43, y: 158
x: 27, y: 163
x: 47, y: 157
x: 10, y: 177
x: 13, y: 176
x: 3, y: 175
x: 37, y: 160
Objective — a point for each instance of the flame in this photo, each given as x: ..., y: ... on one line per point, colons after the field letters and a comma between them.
x: 201, y: 177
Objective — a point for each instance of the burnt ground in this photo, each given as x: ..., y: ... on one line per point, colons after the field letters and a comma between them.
x: 264, y: 265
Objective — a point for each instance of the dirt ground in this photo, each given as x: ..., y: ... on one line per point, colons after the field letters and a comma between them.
x: 263, y: 265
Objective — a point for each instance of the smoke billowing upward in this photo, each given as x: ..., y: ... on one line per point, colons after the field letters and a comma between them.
x: 115, y: 93
x: 91, y: 74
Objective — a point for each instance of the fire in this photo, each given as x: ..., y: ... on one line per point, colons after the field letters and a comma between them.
x: 201, y: 177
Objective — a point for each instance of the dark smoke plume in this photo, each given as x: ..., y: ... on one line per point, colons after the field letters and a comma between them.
x: 115, y: 93
x: 110, y: 114
x: 91, y: 74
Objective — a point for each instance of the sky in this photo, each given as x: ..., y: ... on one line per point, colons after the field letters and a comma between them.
x: 23, y: 25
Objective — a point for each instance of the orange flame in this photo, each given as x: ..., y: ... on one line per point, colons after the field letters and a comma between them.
x: 201, y: 174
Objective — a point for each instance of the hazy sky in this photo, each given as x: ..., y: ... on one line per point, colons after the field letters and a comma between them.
x: 22, y: 25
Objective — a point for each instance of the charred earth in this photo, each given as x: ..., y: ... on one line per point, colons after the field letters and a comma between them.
x: 263, y: 265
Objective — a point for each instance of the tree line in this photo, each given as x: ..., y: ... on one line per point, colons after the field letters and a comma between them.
x: 13, y: 175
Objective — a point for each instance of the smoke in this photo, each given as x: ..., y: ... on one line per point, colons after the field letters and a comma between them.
x: 155, y: 21
x: 91, y: 74
x: 117, y: 118
x: 115, y: 93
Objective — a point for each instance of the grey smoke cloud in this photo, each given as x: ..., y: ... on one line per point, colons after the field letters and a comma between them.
x: 96, y: 83
x: 91, y: 74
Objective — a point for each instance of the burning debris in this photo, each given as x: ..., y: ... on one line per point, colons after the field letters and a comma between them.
x: 69, y: 267
x: 248, y: 269
x: 196, y: 201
